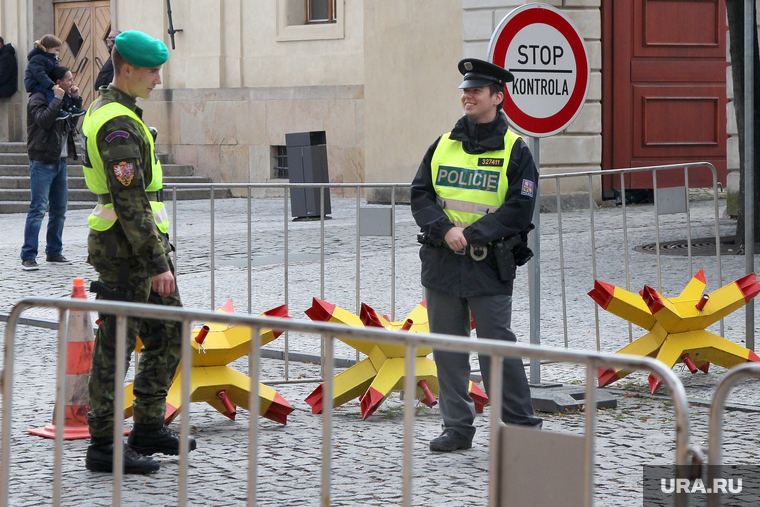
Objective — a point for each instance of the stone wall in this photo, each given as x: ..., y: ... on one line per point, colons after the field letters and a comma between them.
x: 11, y: 119
x: 411, y: 81
x: 579, y: 147
x: 21, y: 22
x: 228, y: 134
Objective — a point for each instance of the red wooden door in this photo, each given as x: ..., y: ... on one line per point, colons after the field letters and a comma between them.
x: 664, y: 91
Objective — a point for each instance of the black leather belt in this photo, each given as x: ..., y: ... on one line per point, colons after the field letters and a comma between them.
x: 106, y: 198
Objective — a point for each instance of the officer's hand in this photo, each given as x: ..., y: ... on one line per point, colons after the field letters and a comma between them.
x: 58, y: 91
x: 455, y: 238
x: 163, y: 284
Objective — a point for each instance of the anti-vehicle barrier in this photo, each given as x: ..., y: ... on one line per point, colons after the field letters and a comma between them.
x: 684, y: 452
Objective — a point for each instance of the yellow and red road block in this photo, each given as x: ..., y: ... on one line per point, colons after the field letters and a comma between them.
x: 382, y: 372
x: 677, y: 326
x: 212, y: 381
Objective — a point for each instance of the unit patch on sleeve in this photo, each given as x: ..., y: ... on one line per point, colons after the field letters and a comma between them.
x: 125, y: 172
x: 527, y: 188
x: 113, y: 135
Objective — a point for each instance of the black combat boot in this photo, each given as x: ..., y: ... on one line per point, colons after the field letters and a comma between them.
x: 100, y: 458
x: 148, y: 439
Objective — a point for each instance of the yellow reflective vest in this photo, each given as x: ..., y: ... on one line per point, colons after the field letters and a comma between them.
x: 470, y: 186
x: 103, y: 216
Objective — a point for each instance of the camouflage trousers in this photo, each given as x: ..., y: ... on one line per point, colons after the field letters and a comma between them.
x: 160, y: 355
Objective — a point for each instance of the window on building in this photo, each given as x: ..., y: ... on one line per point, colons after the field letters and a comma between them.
x: 320, y: 11
x: 279, y: 163
x: 300, y: 20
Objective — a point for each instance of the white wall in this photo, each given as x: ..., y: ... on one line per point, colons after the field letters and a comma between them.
x: 237, y: 43
x: 411, y: 83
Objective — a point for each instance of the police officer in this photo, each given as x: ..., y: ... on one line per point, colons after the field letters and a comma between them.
x: 474, y: 187
x: 129, y: 248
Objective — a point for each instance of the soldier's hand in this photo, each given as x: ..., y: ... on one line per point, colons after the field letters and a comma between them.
x: 455, y: 238
x: 163, y: 284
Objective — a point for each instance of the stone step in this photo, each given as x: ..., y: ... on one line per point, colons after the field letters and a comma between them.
x: 21, y: 158
x: 11, y: 182
x: 13, y: 147
x: 23, y: 206
x: 170, y: 170
x: 76, y: 194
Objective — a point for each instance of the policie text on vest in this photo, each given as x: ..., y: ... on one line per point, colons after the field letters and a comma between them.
x: 469, y: 179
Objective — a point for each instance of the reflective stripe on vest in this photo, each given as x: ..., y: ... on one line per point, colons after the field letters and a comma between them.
x: 94, y: 174
x: 470, y: 186
x: 104, y: 216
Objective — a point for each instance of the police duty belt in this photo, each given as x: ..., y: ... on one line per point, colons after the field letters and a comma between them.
x: 478, y: 253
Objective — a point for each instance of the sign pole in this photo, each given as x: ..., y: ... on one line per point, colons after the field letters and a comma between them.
x: 547, y: 56
x: 749, y: 159
x: 534, y: 273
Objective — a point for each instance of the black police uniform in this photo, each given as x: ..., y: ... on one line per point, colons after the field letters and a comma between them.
x: 456, y: 285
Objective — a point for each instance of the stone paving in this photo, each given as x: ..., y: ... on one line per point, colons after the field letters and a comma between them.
x: 367, y: 455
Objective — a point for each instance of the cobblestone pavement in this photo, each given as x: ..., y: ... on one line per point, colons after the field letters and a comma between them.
x: 367, y: 456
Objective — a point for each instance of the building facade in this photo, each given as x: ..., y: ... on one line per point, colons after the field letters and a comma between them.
x: 379, y: 78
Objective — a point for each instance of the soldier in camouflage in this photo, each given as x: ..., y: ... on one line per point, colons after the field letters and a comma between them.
x: 129, y: 248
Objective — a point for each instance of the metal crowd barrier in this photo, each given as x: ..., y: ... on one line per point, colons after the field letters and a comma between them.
x: 590, y: 175
x: 592, y: 213
x: 496, y: 349
x: 286, y: 191
x: 715, y: 450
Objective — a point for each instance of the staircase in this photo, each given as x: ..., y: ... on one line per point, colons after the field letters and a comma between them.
x: 15, y: 194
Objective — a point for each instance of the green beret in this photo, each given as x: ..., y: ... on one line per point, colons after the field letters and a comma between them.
x: 140, y: 49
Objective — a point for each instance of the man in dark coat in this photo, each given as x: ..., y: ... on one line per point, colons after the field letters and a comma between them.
x: 8, y: 70
x: 50, y: 140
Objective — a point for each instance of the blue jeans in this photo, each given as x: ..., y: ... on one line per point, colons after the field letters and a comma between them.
x: 50, y: 185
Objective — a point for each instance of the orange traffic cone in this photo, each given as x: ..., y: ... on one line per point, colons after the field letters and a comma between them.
x: 80, y: 341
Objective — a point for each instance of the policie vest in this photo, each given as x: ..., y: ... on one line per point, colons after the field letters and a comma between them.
x: 470, y: 186
x: 103, y: 216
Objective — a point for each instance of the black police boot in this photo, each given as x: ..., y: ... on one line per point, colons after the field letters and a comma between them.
x: 449, y: 441
x: 100, y: 458
x: 148, y: 439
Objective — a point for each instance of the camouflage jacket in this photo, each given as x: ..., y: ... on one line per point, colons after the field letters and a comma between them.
x: 135, y: 233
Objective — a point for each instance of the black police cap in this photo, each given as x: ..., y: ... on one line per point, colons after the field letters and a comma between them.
x: 481, y: 73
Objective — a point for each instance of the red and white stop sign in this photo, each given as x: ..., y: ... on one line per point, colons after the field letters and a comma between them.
x: 545, y: 52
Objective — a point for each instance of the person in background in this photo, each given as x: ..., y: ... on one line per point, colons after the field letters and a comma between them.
x: 43, y: 58
x: 8, y: 70
x: 105, y: 76
x: 49, y: 142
